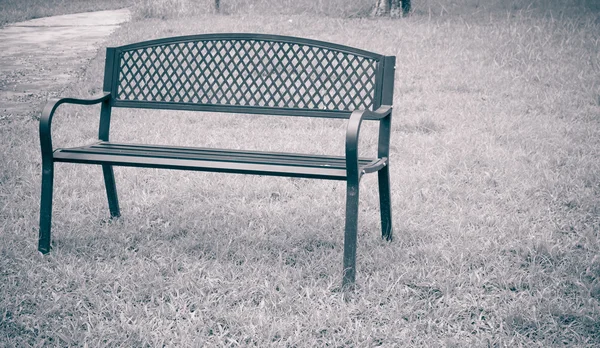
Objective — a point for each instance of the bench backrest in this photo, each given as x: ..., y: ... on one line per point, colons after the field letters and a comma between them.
x: 250, y: 73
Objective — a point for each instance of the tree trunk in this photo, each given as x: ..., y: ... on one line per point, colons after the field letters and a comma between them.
x: 405, y: 7
x: 391, y: 7
x: 381, y: 7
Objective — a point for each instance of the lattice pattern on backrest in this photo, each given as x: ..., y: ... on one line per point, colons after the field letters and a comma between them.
x: 247, y: 72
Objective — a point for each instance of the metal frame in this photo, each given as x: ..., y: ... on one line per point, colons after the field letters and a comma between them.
x: 349, y: 168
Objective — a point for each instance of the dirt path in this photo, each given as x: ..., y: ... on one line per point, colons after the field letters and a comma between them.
x: 40, y: 56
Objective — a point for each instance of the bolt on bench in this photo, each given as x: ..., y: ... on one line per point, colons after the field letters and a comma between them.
x: 239, y: 73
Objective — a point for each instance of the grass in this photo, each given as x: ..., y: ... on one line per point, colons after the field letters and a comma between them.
x: 166, y: 9
x: 496, y: 191
x: 12, y: 11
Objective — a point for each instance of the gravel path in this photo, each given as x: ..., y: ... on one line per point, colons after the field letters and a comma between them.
x: 39, y: 57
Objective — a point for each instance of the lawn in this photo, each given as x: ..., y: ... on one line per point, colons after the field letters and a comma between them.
x: 495, y: 163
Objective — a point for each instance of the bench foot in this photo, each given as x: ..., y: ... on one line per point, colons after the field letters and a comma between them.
x: 350, y: 236
x: 46, y: 208
x: 111, y: 191
x: 385, y: 203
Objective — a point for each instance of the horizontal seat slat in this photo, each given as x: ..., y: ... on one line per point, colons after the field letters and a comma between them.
x: 208, y: 159
x: 250, y: 156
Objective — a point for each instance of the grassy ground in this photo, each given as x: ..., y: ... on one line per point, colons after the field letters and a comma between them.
x: 360, y: 8
x: 20, y: 10
x: 496, y: 191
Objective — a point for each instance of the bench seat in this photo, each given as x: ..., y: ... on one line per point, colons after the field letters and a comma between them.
x: 238, y: 73
x: 215, y: 160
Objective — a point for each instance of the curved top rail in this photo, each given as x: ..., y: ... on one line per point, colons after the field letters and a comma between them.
x: 253, y: 36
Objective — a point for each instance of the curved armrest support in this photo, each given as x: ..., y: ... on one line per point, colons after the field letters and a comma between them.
x: 352, y: 132
x: 383, y: 112
x: 48, y: 113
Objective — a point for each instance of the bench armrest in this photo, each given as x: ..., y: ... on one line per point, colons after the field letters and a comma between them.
x: 382, y: 112
x: 352, y: 132
x: 48, y: 113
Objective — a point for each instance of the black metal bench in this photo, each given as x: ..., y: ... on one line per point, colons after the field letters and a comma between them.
x: 239, y: 73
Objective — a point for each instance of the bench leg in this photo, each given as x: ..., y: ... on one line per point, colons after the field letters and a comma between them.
x: 385, y: 203
x: 350, y: 234
x: 111, y: 190
x: 46, y: 208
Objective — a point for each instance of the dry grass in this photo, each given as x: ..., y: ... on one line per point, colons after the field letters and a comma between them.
x: 496, y: 191
x: 169, y: 9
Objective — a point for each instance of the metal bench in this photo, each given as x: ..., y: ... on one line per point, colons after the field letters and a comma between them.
x: 239, y: 73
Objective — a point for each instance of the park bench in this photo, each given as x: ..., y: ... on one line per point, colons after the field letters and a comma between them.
x: 242, y: 74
